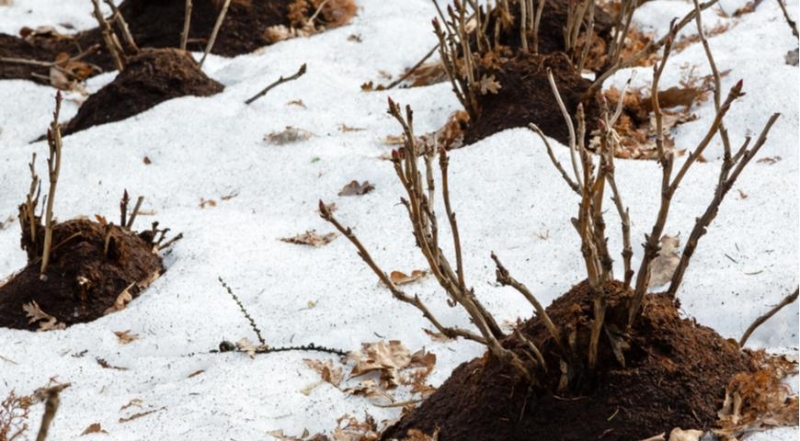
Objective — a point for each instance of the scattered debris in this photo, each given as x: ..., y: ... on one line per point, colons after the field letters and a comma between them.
x: 36, y: 314
x: 126, y: 337
x: 122, y: 300
x: 310, y: 237
x: 663, y: 266
x: 400, y: 278
x: 327, y: 371
x: 289, y: 135
x: 93, y: 428
x: 105, y: 365
x: 356, y: 189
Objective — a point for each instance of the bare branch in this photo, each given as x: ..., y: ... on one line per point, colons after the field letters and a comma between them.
x: 788, y: 300
x: 217, y: 25
x: 300, y: 72
x: 187, y: 21
x: 53, y: 168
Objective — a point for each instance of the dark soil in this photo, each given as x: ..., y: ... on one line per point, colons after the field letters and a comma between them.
x: 151, y: 77
x: 159, y: 23
x: 81, y: 283
x: 676, y: 376
x: 525, y: 97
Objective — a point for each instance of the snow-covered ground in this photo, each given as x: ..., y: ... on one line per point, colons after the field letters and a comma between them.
x: 508, y: 197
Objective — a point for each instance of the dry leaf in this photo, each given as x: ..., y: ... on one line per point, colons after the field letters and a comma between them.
x: 93, y: 428
x: 345, y: 128
x: 356, y: 189
x: 310, y: 237
x: 349, y: 428
x: 418, y: 435
x: 280, y: 436
x: 288, y: 135
x: 679, y: 434
x: 400, y: 278
x: 207, y: 203
x: 770, y: 160
x: 147, y: 160
x: 274, y: 34
x: 195, y: 373
x: 245, y: 345
x: 742, y: 194
x: 126, y: 337
x: 388, y: 358
x: 122, y: 300
x: 35, y: 314
x: 759, y: 400
x: 298, y: 103
x: 369, y: 389
x: 138, y: 402
x: 663, y: 266
x: 327, y: 371
x: 489, y: 85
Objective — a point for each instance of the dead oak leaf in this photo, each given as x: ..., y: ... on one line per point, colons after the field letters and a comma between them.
x: 489, y: 85
x: 356, y: 189
x: 126, y: 337
x: 386, y: 357
x: 369, y: 389
x: 289, y: 135
x: 122, y: 300
x: 663, y: 266
x: 327, y: 371
x: 401, y: 278
x: 93, y: 428
x: 35, y: 314
x: 311, y: 238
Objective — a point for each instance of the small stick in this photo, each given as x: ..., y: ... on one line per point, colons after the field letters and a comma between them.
x: 135, y: 211
x: 123, y: 208
x: 50, y: 408
x: 214, y: 32
x: 277, y: 83
x: 109, y: 37
x: 187, y: 20
x: 760, y: 321
x: 413, y: 69
x: 789, y: 21
x: 53, y: 167
x: 170, y: 242
x: 123, y: 25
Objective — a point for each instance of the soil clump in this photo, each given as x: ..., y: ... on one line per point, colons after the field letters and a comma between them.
x: 85, y: 279
x: 675, y: 375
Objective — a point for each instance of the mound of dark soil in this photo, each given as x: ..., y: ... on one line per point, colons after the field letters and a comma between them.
x: 525, y: 97
x: 159, y: 23
x: 675, y: 376
x: 151, y: 77
x: 82, y: 282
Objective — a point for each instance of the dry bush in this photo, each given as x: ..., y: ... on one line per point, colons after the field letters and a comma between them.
x: 14, y: 412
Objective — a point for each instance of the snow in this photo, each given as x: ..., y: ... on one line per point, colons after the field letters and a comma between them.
x: 508, y: 197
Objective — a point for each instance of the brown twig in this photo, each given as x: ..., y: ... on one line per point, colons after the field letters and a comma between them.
x: 187, y: 21
x: 110, y: 38
x: 789, y: 21
x: 135, y: 212
x: 791, y: 298
x: 54, y: 168
x: 51, y: 398
x: 572, y: 184
x: 411, y: 71
x: 278, y: 82
x: 123, y: 25
x: 214, y: 32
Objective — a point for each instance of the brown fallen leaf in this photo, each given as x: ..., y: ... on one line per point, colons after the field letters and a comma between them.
x: 369, y: 389
x: 207, y: 203
x: 386, y: 357
x: 126, y: 337
x: 356, y: 189
x: 147, y: 160
x: 122, y: 300
x: 138, y: 402
x: 770, y: 160
x: 679, y: 434
x: 663, y: 266
x: 93, y: 428
x: 310, y: 237
x: 349, y: 428
x: 345, y: 128
x: 327, y: 371
x: 298, y: 103
x: 195, y: 373
x: 400, y: 278
x: 35, y: 314
x: 489, y: 85
x: 305, y: 436
x: 288, y: 135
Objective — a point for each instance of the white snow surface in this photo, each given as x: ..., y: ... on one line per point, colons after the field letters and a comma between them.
x: 508, y: 197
